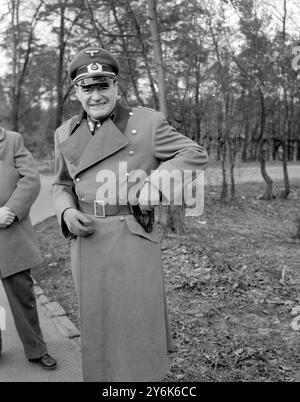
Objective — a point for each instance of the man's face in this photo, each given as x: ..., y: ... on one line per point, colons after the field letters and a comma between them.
x: 98, y: 100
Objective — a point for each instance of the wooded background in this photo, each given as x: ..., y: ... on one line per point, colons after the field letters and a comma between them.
x: 224, y: 72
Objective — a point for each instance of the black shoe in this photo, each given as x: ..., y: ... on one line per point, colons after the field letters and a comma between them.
x: 47, y: 362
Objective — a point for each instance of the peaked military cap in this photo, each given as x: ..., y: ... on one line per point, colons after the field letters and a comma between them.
x: 90, y: 65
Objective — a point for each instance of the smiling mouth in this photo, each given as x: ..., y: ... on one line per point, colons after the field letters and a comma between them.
x: 98, y: 105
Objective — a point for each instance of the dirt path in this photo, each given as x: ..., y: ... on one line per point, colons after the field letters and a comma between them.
x: 43, y: 207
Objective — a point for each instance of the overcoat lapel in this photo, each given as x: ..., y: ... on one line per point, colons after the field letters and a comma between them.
x: 74, y: 146
x: 107, y: 140
x: 121, y: 116
x: 84, y: 150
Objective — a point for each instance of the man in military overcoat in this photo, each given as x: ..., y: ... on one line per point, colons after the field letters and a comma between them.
x: 106, y: 159
x: 19, y: 250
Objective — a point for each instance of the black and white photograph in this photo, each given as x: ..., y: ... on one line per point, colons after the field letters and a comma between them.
x: 149, y: 194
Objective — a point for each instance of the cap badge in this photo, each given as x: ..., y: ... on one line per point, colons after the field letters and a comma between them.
x: 92, y: 52
x: 94, y: 68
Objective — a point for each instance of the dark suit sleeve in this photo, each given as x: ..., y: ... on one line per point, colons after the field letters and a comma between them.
x: 29, y: 185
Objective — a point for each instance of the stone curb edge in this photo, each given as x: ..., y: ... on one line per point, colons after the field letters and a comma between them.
x: 57, y: 314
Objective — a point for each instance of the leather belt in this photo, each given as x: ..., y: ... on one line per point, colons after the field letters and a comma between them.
x: 100, y: 210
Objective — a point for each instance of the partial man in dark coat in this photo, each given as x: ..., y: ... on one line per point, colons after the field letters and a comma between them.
x: 19, y: 250
x: 110, y: 162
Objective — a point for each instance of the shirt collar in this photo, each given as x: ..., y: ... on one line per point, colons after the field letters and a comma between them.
x: 92, y: 123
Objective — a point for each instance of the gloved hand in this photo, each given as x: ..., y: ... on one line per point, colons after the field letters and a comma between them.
x: 6, y: 217
x: 78, y: 223
x: 149, y: 197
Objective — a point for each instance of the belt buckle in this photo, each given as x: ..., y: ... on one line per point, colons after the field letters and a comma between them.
x: 100, y: 204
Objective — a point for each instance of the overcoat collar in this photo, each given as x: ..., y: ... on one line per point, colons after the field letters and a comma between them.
x: 84, y: 150
x: 121, y: 116
x: 107, y: 140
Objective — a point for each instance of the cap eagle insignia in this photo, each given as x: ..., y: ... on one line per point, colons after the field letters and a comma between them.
x: 92, y: 52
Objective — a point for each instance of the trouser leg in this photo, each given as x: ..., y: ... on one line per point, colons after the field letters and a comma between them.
x: 20, y: 295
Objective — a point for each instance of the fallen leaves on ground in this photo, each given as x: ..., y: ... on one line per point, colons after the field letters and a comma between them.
x: 232, y: 286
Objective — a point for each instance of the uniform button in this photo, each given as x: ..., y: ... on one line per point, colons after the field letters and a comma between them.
x: 82, y: 199
x: 133, y: 132
x: 77, y: 180
x: 122, y: 219
x: 131, y: 153
x: 130, y: 113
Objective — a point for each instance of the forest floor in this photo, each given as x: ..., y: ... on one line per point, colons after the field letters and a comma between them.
x: 233, y: 287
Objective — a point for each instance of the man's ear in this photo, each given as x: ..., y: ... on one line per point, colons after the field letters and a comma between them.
x: 117, y: 87
x: 76, y: 91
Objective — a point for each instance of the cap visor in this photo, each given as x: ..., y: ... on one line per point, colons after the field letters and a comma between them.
x: 97, y: 79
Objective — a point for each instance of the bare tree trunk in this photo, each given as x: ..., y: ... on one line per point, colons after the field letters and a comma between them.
x: 14, y: 90
x: 60, y: 65
x: 90, y: 11
x: 287, y: 124
x: 63, y: 37
x: 232, y: 180
x: 246, y: 140
x: 158, y: 56
x: 230, y: 144
x: 286, y: 141
x: 284, y: 20
x: 253, y: 145
x: 224, y: 190
x: 144, y: 52
x: 126, y: 51
x: 219, y: 131
x: 269, y: 182
x: 222, y: 155
x: 197, y: 101
x: 174, y: 214
x: 223, y: 117
x: 98, y: 34
x: 285, y: 193
x: 19, y: 68
x: 262, y: 150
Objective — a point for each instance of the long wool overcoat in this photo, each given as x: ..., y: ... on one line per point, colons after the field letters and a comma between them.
x: 117, y: 269
x: 19, y: 187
